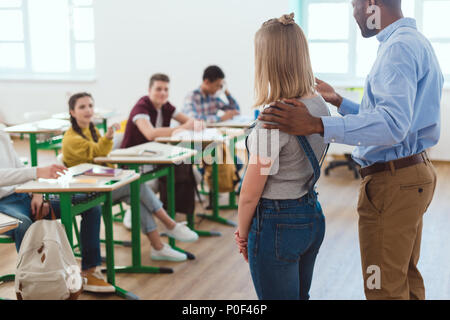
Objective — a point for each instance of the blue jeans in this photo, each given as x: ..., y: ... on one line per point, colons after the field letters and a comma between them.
x: 284, y: 239
x: 149, y: 204
x: 18, y: 205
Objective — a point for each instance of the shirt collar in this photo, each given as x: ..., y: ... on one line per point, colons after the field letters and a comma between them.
x: 199, y: 90
x: 384, y: 34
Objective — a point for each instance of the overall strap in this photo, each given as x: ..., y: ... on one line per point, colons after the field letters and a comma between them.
x: 248, y: 131
x: 306, y: 146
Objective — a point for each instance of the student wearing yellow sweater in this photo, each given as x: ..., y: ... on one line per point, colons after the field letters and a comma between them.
x: 83, y: 142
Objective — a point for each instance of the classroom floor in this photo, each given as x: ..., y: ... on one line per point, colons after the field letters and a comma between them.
x: 219, y: 272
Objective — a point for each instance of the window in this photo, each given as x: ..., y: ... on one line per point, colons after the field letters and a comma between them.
x: 47, y: 39
x: 339, y: 52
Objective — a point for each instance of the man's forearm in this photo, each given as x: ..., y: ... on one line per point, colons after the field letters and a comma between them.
x: 337, y: 100
x: 318, y: 126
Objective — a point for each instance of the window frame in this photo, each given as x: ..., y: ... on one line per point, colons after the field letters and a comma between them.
x: 351, y: 78
x: 27, y: 72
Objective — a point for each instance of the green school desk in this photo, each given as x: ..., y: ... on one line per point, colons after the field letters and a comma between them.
x: 163, y: 154
x: 208, y: 144
x: 9, y: 277
x: 104, y: 187
x: 48, y: 126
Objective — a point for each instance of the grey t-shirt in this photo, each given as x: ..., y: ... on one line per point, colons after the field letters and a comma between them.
x: 291, y: 169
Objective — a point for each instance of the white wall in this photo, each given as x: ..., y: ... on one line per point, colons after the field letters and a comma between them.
x: 442, y: 150
x: 136, y: 38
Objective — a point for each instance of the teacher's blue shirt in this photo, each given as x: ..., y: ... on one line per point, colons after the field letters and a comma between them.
x: 400, y: 112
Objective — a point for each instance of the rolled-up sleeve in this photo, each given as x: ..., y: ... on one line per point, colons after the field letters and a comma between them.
x: 387, y: 123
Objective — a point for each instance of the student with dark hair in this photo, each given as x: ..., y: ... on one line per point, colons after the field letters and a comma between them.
x: 203, y: 103
x: 82, y: 143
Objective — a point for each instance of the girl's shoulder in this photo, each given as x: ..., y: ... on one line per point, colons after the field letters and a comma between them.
x: 316, y: 105
x: 69, y: 133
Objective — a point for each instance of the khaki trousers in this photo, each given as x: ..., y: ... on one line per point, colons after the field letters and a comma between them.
x: 391, y: 206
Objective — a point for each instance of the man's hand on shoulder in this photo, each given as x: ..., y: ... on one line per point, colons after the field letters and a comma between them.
x: 291, y: 116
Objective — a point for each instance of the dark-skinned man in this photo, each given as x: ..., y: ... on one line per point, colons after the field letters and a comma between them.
x: 397, y: 120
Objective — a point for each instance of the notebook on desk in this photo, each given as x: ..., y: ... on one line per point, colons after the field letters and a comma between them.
x: 7, y: 221
x: 103, y: 172
x: 134, y: 153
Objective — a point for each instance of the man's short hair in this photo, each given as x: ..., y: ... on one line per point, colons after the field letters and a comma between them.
x: 212, y: 73
x: 158, y: 77
x: 395, y: 4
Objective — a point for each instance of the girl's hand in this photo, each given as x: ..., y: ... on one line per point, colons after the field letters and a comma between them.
x: 242, y: 244
x: 110, y: 133
x: 245, y: 254
x: 36, y: 203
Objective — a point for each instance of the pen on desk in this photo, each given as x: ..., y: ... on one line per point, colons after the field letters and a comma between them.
x: 176, y: 155
x: 150, y: 151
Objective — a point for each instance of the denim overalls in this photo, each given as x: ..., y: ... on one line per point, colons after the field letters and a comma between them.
x: 284, y: 239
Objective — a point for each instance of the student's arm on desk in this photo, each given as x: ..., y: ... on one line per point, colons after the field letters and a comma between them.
x: 151, y: 133
x: 189, y: 123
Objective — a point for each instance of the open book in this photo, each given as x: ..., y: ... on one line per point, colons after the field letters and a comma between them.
x: 136, y: 152
x: 103, y: 172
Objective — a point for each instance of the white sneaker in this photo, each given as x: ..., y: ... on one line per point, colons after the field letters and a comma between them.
x: 167, y: 253
x: 127, y: 219
x: 182, y: 232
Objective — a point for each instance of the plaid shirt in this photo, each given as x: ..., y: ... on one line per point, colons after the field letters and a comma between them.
x: 204, y: 107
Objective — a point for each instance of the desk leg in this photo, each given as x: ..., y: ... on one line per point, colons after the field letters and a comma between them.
x: 232, y: 195
x: 109, y: 243
x: 33, y: 149
x: 136, y: 266
x: 65, y: 200
x: 201, y: 233
x: 107, y: 218
x: 135, y: 223
x: 171, y: 208
x: 215, y: 196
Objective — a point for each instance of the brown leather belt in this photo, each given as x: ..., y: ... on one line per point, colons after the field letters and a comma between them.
x: 397, y: 164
